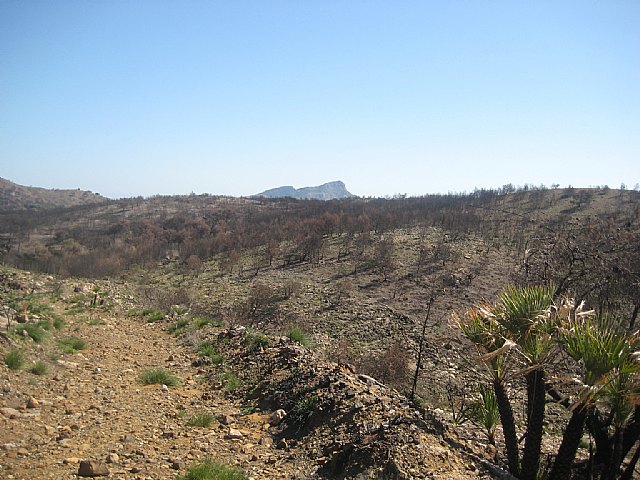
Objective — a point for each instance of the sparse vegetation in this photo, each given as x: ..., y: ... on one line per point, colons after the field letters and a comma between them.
x: 302, y: 410
x: 208, y: 349
x: 255, y: 340
x: 14, y: 359
x: 200, y: 322
x: 151, y: 315
x: 213, y: 470
x: 201, y: 419
x: 58, y: 323
x: 484, y: 412
x: 230, y: 381
x: 178, y: 327
x: 296, y: 334
x: 72, y: 345
x: 33, y: 331
x: 360, y: 271
x: 39, y: 368
x: 158, y: 376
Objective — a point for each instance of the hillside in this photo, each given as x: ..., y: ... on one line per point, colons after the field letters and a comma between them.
x: 87, y: 403
x: 328, y: 191
x: 14, y: 196
x: 316, y: 308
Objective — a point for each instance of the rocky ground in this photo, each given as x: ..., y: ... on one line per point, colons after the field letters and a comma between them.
x: 291, y: 416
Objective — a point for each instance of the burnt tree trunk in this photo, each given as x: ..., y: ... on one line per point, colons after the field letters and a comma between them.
x: 535, y: 423
x: 570, y: 440
x: 508, y: 427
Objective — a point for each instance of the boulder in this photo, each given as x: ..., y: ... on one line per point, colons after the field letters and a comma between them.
x: 92, y: 468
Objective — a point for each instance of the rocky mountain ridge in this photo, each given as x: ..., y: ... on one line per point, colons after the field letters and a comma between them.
x: 326, y: 191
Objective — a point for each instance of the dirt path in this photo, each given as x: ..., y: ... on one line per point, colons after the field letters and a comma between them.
x: 90, y: 405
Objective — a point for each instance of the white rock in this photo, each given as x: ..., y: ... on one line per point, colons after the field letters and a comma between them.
x: 234, y: 434
x: 277, y: 417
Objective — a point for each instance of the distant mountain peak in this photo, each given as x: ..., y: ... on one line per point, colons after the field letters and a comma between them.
x: 327, y: 191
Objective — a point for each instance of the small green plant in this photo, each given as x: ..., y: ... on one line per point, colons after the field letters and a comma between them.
x: 75, y: 309
x: 201, y: 419
x: 72, y: 345
x: 303, y: 409
x: 484, y: 412
x: 200, y: 322
x: 179, y: 310
x: 178, y: 327
x: 92, y: 320
x: 33, y: 331
x: 255, y: 341
x: 230, y: 381
x: 44, y: 324
x: 151, y: 315
x: 14, y: 359
x: 39, y: 368
x: 298, y: 335
x: 58, y: 323
x: 213, y: 470
x: 158, y: 376
x: 39, y: 309
x: 249, y: 408
x: 207, y: 349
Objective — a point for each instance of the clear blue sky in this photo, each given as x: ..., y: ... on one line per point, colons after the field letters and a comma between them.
x: 233, y: 97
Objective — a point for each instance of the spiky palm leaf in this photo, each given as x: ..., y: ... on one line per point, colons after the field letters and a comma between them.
x: 608, y: 356
x: 606, y: 352
x: 528, y: 315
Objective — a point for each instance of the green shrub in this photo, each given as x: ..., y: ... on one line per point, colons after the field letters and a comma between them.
x: 303, y: 409
x: 74, y: 309
x: 213, y: 470
x: 158, y: 376
x: 14, y: 359
x: 179, y: 310
x: 298, y: 335
x: 44, y: 324
x: 255, y: 341
x: 39, y: 368
x: 150, y: 315
x: 58, y: 323
x: 39, y: 309
x: 72, y: 345
x: 33, y: 330
x: 201, y: 419
x: 178, y: 327
x: 484, y: 412
x: 231, y: 381
x: 200, y: 322
x: 207, y: 349
x: 92, y: 320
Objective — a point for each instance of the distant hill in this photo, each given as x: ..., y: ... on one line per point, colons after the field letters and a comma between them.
x: 327, y: 191
x: 19, y: 197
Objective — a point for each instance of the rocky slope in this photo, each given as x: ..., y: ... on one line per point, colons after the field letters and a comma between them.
x: 14, y: 196
x: 289, y: 414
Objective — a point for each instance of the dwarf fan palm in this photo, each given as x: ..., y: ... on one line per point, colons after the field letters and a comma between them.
x: 606, y: 355
x: 523, y: 321
x: 528, y: 315
x: 481, y: 327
